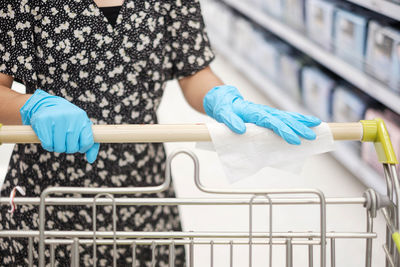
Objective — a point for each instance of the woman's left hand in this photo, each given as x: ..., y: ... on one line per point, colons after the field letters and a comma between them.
x: 225, y: 104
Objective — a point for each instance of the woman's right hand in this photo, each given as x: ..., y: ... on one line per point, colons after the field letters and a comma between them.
x: 60, y: 125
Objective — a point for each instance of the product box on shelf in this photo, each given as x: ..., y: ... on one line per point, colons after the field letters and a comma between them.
x: 290, y: 72
x: 219, y: 19
x: 396, y: 68
x: 294, y: 13
x: 244, y: 35
x: 348, y: 105
x: 382, y: 50
x: 274, y: 7
x: 268, y: 51
x: 260, y: 4
x: 317, y: 88
x: 392, y: 122
x: 350, y: 34
x: 259, y: 36
x: 268, y: 56
x: 319, y: 21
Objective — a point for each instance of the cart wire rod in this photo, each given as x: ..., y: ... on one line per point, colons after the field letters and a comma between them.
x: 389, y: 241
x: 134, y: 243
x: 289, y: 253
x: 153, y: 254
x: 30, y: 251
x: 390, y: 170
x: 397, y: 189
x: 52, y: 254
x: 310, y: 254
x: 166, y: 235
x: 231, y: 253
x: 181, y: 201
x: 172, y: 253
x: 114, y: 225
x: 212, y: 252
x: 370, y: 225
x: 393, y: 238
x: 333, y: 252
x: 388, y: 256
x: 177, y: 242
x: 251, y: 228
x: 75, y: 253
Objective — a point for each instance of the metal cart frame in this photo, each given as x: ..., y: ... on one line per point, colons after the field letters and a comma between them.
x: 372, y: 131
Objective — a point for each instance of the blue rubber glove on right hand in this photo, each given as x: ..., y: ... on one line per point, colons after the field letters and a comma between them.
x: 60, y: 125
x: 225, y: 104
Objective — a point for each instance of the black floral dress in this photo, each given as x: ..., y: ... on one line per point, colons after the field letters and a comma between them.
x: 117, y: 74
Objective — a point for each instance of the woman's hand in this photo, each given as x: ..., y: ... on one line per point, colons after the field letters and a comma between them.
x: 225, y: 104
x: 60, y: 125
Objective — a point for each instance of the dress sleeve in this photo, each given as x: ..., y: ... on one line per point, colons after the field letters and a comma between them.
x: 190, y: 47
x: 16, y: 40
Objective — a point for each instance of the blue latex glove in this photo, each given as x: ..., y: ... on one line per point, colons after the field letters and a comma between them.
x: 60, y: 125
x: 225, y: 104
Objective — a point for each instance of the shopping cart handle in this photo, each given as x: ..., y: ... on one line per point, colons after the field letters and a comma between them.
x: 156, y: 133
x: 367, y: 131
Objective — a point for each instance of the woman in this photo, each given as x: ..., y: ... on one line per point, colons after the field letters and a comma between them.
x: 80, y: 67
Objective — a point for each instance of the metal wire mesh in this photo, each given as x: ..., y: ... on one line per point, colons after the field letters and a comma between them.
x: 270, y: 239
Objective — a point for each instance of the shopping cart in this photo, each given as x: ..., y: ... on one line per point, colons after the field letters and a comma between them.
x: 366, y: 131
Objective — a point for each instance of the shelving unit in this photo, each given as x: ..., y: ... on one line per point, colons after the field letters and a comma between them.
x: 357, y: 77
x: 347, y: 157
x: 389, y: 9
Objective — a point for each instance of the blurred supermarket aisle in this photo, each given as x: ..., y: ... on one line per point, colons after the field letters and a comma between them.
x: 320, y: 57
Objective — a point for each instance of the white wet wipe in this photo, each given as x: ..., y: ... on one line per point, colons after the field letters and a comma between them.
x: 244, y: 155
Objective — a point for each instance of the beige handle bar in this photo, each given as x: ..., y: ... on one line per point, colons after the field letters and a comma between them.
x: 155, y: 133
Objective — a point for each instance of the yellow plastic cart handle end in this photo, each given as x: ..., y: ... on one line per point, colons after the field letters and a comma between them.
x: 396, y: 239
x: 375, y: 131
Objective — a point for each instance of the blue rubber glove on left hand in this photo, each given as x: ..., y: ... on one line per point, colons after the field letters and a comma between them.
x: 225, y: 104
x: 60, y: 125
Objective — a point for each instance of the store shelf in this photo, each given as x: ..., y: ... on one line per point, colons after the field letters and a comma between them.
x: 383, y: 7
x: 269, y: 88
x: 344, y: 155
x: 368, y: 84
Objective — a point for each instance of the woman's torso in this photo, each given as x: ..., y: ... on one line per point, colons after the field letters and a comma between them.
x: 117, y: 74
